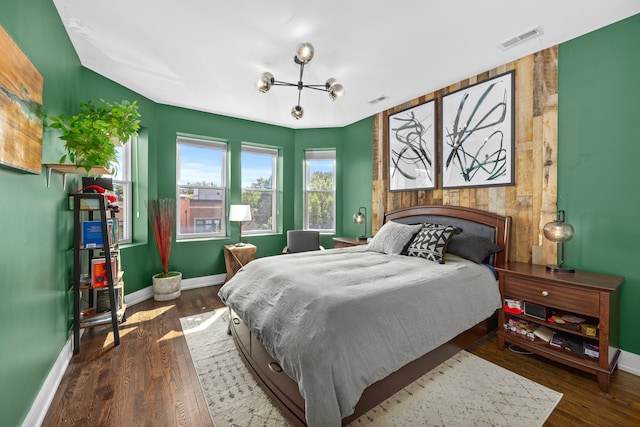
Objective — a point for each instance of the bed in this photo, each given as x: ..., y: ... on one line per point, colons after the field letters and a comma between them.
x: 353, y: 326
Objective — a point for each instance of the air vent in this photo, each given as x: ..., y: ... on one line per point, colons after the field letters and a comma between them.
x: 520, y: 38
x: 380, y: 98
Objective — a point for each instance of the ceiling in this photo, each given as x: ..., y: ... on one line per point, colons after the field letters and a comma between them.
x: 206, y: 55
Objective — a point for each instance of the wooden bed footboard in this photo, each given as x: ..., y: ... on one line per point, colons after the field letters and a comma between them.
x: 284, y: 392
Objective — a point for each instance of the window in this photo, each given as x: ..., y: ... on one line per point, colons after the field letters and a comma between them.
x: 201, y: 188
x: 320, y: 191
x: 122, y: 189
x: 259, y: 188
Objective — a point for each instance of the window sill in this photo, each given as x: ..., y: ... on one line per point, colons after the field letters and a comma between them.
x: 201, y: 239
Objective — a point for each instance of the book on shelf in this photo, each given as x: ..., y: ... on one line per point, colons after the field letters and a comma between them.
x: 543, y: 333
x: 92, y: 234
x: 102, y: 300
x: 567, y: 321
x: 99, y: 277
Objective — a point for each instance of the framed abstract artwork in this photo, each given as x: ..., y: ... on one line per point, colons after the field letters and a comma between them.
x: 412, y: 148
x: 20, y: 108
x: 478, y: 135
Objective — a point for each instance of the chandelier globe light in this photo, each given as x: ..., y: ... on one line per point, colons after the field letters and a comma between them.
x: 304, y: 54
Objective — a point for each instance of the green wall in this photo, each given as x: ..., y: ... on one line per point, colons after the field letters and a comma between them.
x: 598, y: 155
x: 35, y: 228
x: 357, y: 185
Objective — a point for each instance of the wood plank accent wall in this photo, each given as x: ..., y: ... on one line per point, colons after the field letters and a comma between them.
x: 531, y: 202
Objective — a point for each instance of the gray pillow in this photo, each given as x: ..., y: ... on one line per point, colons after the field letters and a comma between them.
x: 392, y: 238
x: 473, y: 248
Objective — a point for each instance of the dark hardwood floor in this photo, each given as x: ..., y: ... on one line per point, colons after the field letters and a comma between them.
x: 149, y: 379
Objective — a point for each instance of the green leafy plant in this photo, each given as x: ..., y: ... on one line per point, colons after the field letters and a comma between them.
x: 91, y: 135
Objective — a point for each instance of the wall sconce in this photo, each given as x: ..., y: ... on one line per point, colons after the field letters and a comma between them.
x: 360, y: 218
x: 560, y: 232
x: 240, y: 213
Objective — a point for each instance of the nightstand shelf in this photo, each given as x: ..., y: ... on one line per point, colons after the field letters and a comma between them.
x: 590, y: 296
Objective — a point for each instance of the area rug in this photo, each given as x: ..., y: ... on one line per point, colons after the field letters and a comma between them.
x: 466, y: 390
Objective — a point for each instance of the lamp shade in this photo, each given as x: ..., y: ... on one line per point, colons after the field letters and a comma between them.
x: 560, y: 232
x: 240, y: 213
x: 359, y: 218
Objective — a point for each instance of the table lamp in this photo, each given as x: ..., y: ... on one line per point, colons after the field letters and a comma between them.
x: 360, y: 218
x: 560, y: 232
x: 240, y: 213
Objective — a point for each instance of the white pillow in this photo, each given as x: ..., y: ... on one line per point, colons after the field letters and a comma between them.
x: 392, y: 238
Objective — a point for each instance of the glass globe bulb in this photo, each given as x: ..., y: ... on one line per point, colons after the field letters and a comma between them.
x: 264, y: 82
x: 558, y: 231
x: 305, y: 52
x: 336, y: 91
x: 358, y: 218
x: 297, y: 112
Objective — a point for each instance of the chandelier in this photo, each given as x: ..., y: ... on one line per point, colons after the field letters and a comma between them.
x: 303, y: 56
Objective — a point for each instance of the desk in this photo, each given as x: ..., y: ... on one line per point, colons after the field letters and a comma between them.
x: 236, y: 257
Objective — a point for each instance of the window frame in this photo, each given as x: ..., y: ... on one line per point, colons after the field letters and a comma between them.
x: 273, y: 152
x: 212, y: 144
x: 320, y: 154
x: 124, y: 167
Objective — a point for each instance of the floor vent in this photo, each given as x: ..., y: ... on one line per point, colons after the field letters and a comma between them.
x: 520, y: 38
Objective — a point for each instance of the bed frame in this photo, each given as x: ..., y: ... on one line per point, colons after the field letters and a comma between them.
x: 284, y: 391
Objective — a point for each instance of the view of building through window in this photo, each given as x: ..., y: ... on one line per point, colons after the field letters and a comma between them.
x: 320, y: 188
x: 259, y: 188
x: 201, y: 187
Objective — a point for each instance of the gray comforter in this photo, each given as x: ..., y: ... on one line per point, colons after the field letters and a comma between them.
x: 340, y: 320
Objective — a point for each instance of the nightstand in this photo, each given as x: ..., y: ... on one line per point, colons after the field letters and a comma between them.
x: 591, y: 297
x: 236, y: 257
x: 345, y: 242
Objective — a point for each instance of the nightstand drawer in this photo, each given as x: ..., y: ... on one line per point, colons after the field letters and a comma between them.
x: 553, y: 295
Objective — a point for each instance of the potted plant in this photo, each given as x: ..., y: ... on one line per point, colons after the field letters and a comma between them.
x: 91, y: 135
x: 162, y: 214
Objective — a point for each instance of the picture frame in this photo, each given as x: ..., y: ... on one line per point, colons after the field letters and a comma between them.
x: 478, y: 134
x: 412, y: 148
x: 21, y: 87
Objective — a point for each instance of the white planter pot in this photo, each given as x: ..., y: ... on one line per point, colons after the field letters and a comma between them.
x: 167, y: 288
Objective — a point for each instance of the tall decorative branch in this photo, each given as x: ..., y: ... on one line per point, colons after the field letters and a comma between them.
x: 162, y: 214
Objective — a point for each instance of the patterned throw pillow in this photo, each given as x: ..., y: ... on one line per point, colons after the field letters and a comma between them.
x: 431, y: 242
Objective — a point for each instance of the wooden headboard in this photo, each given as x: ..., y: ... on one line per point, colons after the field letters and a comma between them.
x: 485, y: 224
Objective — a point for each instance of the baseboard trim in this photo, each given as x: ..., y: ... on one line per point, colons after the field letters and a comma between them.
x: 40, y: 406
x: 192, y: 283
x: 629, y: 362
